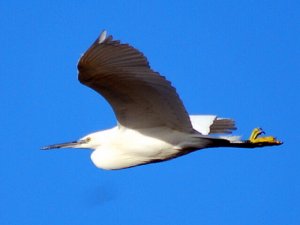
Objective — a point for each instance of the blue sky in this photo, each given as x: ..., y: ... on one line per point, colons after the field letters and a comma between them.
x: 237, y: 59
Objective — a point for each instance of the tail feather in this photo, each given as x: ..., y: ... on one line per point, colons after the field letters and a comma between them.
x: 210, y: 124
x: 222, y: 126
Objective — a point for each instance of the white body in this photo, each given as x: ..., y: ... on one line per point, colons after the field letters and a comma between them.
x: 121, y: 148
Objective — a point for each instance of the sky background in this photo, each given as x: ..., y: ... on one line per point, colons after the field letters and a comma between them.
x: 236, y: 59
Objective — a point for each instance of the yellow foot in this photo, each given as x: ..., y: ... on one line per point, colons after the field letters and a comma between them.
x: 254, y: 138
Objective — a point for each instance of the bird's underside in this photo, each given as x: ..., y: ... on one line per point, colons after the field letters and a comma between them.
x: 207, y: 141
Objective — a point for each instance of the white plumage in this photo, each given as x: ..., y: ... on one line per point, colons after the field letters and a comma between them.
x: 153, y: 124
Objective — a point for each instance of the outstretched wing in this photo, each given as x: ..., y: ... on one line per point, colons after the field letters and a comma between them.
x: 140, y: 97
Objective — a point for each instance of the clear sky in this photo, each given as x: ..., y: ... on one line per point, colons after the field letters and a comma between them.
x: 237, y: 59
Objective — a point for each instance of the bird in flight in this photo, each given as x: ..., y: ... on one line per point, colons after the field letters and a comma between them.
x: 152, y: 122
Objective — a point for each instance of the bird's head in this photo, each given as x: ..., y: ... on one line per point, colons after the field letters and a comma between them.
x: 90, y: 141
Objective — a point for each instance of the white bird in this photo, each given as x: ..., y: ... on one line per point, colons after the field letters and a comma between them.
x: 153, y: 124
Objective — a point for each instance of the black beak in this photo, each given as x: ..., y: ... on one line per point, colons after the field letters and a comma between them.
x: 71, y: 144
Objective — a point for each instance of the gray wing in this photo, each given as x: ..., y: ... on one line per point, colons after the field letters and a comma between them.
x: 140, y: 97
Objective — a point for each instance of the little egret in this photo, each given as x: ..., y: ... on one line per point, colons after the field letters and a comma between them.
x: 152, y: 123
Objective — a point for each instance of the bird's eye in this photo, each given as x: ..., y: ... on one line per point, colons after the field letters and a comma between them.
x: 88, y: 139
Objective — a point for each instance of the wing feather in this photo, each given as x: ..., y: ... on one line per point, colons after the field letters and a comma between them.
x: 140, y: 97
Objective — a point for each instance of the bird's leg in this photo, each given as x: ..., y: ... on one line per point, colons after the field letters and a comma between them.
x: 255, y: 139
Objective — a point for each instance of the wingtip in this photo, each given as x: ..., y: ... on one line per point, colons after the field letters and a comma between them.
x: 102, y: 36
